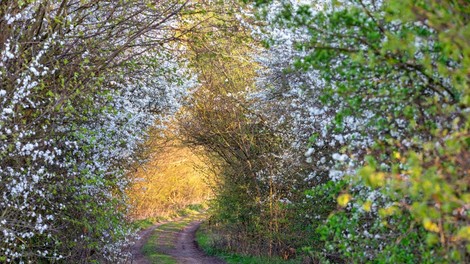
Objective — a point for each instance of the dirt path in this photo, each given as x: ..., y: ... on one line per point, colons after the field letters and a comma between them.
x: 179, y: 244
x: 186, y: 250
x: 137, y: 255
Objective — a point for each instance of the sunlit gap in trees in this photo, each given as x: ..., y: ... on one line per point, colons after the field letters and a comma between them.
x: 173, y: 177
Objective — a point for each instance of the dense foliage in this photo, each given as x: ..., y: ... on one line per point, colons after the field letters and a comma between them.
x: 216, y: 117
x: 337, y: 130
x: 80, y: 83
x: 353, y: 147
x: 378, y: 92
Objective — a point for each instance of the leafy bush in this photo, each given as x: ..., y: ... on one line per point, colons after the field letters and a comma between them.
x: 377, y: 93
x: 76, y: 82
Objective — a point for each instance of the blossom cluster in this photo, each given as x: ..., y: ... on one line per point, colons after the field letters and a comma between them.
x: 357, y: 91
x: 79, y: 89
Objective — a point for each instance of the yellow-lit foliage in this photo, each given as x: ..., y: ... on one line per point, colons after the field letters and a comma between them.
x: 246, y: 213
x: 174, y: 177
x: 218, y: 49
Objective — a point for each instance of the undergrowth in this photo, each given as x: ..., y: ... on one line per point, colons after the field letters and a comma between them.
x: 206, y: 241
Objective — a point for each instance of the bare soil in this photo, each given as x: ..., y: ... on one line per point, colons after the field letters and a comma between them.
x: 186, y: 250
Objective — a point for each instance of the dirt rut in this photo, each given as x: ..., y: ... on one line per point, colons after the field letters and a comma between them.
x: 186, y: 250
x: 137, y: 255
x: 180, y: 245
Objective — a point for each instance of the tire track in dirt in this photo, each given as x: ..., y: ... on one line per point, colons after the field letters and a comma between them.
x: 186, y: 250
x: 136, y: 251
x: 180, y: 245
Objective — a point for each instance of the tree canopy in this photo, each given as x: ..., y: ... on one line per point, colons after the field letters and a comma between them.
x: 333, y: 131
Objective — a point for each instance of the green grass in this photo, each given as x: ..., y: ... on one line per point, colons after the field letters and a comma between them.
x: 192, y: 209
x: 175, y: 226
x: 240, y: 259
x: 189, y: 211
x: 203, y: 238
x: 151, y: 252
x: 143, y: 224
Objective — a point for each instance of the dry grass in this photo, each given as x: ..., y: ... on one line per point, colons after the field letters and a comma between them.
x: 174, y: 178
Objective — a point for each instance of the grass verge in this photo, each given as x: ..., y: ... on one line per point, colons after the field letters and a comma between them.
x: 152, y: 253
x: 205, y: 242
x: 192, y: 209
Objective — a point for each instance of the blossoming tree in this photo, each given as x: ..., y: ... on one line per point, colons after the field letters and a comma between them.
x: 80, y: 83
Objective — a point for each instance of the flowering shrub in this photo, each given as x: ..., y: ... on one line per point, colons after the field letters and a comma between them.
x: 80, y: 83
x: 377, y: 95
